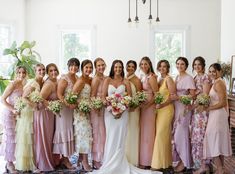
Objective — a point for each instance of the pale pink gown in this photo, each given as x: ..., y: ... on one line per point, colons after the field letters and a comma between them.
x: 8, y: 140
x: 43, y: 136
x: 63, y: 142
x: 147, y: 127
x: 217, y: 137
x: 98, y: 130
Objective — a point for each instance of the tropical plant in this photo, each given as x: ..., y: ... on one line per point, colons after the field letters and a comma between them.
x: 24, y: 56
x: 3, y: 84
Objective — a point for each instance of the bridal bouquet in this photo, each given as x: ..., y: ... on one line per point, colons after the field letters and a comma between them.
x: 96, y: 103
x: 55, y: 106
x: 35, y: 97
x: 71, y: 98
x: 84, y: 106
x: 185, y: 99
x: 203, y: 99
x: 117, y: 104
x: 158, y: 99
x: 137, y: 99
x: 19, y: 104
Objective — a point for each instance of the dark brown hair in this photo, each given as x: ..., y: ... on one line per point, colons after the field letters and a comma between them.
x: 111, y: 73
x: 50, y: 65
x: 216, y: 66
x: 184, y: 59
x: 167, y: 65
x: 85, y: 62
x: 132, y: 61
x: 201, y: 60
x: 73, y: 61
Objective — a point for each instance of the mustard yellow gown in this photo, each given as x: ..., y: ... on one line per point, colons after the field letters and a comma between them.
x: 162, y: 153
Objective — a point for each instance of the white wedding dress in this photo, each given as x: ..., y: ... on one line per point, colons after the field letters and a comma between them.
x: 115, y: 161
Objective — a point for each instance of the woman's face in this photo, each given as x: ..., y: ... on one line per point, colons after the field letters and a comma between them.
x: 213, y: 73
x: 197, y: 66
x: 144, y: 66
x: 87, y: 69
x: 163, y: 68
x: 40, y: 71
x: 181, y: 66
x: 100, y: 66
x: 52, y: 72
x: 21, y: 74
x: 73, y: 69
x: 130, y: 68
x: 118, y: 69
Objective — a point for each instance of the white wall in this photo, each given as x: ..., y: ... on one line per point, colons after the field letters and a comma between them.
x: 227, y: 29
x: 13, y: 12
x: 115, y: 39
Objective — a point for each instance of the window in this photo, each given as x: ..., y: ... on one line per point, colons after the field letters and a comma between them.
x: 78, y: 42
x: 6, y: 35
x: 170, y: 43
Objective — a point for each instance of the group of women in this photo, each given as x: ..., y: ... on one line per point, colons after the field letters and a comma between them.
x: 151, y: 136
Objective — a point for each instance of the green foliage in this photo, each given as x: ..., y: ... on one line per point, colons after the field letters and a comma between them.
x: 3, y: 84
x: 24, y: 56
x: 73, y: 47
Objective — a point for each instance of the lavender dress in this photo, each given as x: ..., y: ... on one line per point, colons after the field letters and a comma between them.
x: 98, y: 130
x: 147, y: 127
x: 199, y: 123
x: 8, y: 141
x: 181, y: 141
x: 43, y: 135
x: 64, y: 138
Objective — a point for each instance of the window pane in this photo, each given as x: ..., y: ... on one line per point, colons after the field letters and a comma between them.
x: 76, y: 44
x: 4, y: 40
x: 169, y: 46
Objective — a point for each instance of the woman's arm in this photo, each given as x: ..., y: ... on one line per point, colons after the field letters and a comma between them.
x: 94, y: 86
x: 62, y: 84
x: 105, y: 87
x: 9, y: 89
x: 128, y: 87
x: 45, y: 92
x: 78, y: 86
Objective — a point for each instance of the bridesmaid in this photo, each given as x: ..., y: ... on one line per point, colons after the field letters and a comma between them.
x: 199, y: 119
x: 162, y: 153
x: 82, y: 125
x: 147, y: 114
x: 13, y: 90
x: 132, y: 139
x: 24, y: 128
x: 181, y: 147
x: 44, y: 122
x: 63, y: 142
x: 97, y: 117
x: 217, y: 143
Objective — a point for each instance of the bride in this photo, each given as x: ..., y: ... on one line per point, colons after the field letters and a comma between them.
x: 114, y: 161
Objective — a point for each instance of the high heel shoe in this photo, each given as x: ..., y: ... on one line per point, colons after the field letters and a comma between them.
x: 86, y: 168
x: 96, y: 165
x: 10, y: 169
x: 67, y: 164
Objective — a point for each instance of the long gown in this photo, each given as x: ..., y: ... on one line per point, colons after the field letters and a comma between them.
x: 98, y: 130
x: 9, y: 120
x: 82, y: 126
x: 217, y: 137
x: 147, y: 127
x: 181, y: 134
x: 44, y: 121
x: 24, y: 135
x: 199, y: 123
x: 132, y: 139
x: 162, y: 152
x: 115, y: 161
x: 63, y: 141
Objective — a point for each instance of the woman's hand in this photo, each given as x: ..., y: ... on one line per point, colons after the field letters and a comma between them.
x: 174, y: 97
x: 159, y: 106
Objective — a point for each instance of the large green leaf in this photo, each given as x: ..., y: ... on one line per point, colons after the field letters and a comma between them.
x: 3, y: 85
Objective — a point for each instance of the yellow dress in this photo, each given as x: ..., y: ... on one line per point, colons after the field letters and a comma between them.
x: 162, y: 153
x: 132, y: 139
x: 24, y: 136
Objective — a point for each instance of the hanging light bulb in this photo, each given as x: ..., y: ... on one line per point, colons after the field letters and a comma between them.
x: 136, y: 12
x: 157, y: 19
x: 150, y: 14
x: 129, y: 19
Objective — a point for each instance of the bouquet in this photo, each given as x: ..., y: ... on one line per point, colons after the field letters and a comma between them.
x: 84, y: 106
x: 71, y: 98
x: 137, y: 99
x: 35, y: 97
x: 19, y: 104
x: 158, y: 99
x: 203, y: 99
x: 96, y: 103
x: 117, y: 104
x: 185, y: 99
x: 55, y: 106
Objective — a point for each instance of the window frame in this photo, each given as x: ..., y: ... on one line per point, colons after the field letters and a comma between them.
x: 185, y: 30
x: 75, y: 29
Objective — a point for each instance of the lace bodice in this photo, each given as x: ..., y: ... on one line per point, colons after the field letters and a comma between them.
x: 119, y: 90
x: 86, y: 92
